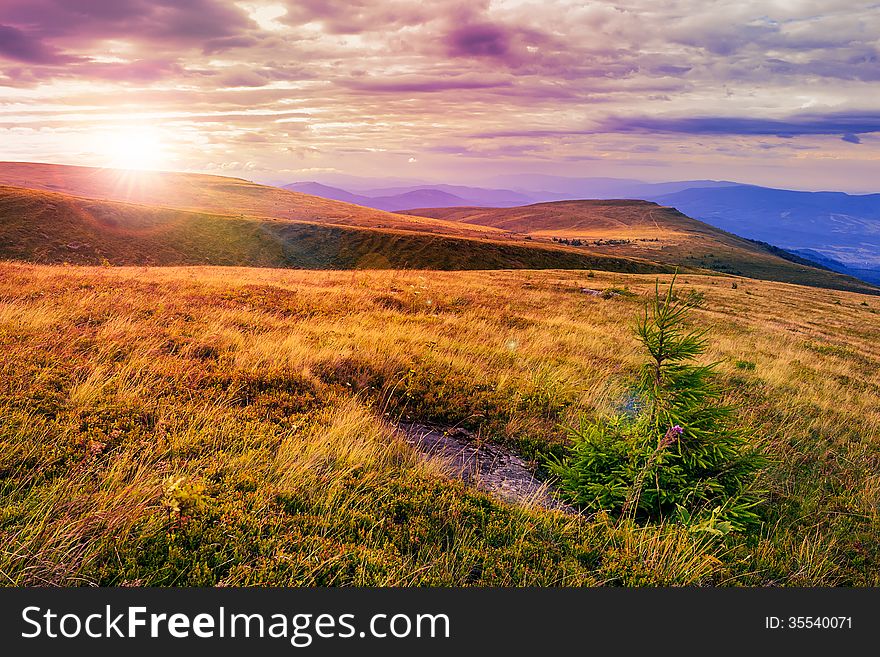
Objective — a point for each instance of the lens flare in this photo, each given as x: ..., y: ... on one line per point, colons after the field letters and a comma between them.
x: 137, y: 150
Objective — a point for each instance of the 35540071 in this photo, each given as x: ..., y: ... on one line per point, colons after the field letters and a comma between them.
x: 808, y: 622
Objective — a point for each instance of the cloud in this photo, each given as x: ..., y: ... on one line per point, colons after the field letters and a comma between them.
x: 20, y: 47
x: 243, y: 77
x: 479, y: 40
x: 344, y: 81
x: 167, y: 21
x: 222, y: 44
x: 358, y: 16
x: 848, y: 123
x: 421, y: 84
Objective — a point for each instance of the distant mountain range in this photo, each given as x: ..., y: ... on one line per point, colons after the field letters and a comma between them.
x: 840, y: 231
x: 404, y: 198
x: 836, y: 230
x: 558, y: 188
x: 511, y: 193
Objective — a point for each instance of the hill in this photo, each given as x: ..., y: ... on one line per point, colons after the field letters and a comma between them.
x: 223, y: 426
x: 50, y: 227
x: 843, y: 228
x: 834, y: 230
x: 217, y: 194
x: 326, y: 191
x: 646, y: 230
x: 179, y: 218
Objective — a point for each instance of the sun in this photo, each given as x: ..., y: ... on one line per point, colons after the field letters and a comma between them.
x: 137, y: 149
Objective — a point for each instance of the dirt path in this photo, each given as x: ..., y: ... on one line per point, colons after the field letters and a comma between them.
x: 490, y: 468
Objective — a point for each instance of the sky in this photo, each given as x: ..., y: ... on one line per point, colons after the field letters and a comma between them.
x: 781, y: 93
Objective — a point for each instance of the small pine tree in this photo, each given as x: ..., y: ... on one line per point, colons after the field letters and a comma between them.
x: 680, y: 458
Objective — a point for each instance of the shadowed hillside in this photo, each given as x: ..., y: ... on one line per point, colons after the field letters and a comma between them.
x: 642, y: 229
x: 56, y: 228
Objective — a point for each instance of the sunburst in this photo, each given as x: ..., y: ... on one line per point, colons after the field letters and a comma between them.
x: 137, y: 149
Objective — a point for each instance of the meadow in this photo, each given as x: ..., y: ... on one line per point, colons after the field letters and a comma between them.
x: 236, y: 426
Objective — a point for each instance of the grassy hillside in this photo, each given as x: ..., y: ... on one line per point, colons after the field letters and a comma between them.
x: 231, y: 426
x: 57, y: 228
x: 614, y: 235
x: 214, y: 194
x: 646, y: 230
x: 591, y: 219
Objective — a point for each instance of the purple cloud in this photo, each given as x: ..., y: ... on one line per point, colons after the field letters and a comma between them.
x: 20, y: 47
x: 222, y: 44
x: 848, y: 123
x: 82, y: 21
x: 479, y: 40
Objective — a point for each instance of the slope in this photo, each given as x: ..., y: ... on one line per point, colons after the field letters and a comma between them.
x: 49, y: 227
x: 200, y: 192
x: 645, y: 230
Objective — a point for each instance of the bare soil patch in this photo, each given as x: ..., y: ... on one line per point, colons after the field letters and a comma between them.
x: 492, y: 468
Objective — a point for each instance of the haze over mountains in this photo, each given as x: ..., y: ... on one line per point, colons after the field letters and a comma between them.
x: 511, y: 191
x: 836, y: 230
x: 405, y: 198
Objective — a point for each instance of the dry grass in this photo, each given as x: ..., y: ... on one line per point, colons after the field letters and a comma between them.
x: 230, y: 426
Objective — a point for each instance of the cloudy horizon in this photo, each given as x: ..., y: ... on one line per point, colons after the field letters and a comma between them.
x: 778, y: 93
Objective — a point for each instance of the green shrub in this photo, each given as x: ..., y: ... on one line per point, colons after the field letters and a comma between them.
x: 680, y: 458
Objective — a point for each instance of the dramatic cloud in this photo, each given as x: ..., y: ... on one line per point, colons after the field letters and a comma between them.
x: 756, y: 90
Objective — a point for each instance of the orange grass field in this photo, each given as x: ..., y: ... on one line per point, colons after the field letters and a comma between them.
x: 210, y: 425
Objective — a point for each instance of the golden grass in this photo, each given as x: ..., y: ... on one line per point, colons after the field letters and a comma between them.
x: 266, y: 395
